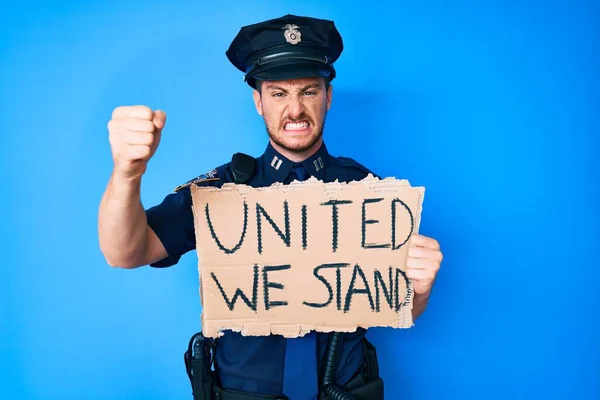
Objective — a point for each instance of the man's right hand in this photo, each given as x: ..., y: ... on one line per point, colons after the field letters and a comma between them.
x: 126, y: 240
x: 134, y: 135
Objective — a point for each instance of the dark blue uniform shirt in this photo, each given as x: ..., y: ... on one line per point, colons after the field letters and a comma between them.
x: 256, y: 363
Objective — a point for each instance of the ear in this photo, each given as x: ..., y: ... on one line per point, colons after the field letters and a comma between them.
x: 257, y: 102
x: 329, y: 96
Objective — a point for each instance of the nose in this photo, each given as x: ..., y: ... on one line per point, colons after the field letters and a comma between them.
x: 296, y: 108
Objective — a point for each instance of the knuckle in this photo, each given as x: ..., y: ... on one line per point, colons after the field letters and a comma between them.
x: 117, y: 111
x: 145, y: 112
x: 140, y: 126
x: 147, y: 139
x: 148, y: 126
x: 115, y: 142
x: 137, y: 111
x: 115, y: 126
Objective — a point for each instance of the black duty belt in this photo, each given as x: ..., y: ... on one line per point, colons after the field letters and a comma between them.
x: 365, y: 385
x: 361, y: 390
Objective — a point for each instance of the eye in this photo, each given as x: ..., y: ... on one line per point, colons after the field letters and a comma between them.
x: 277, y: 94
x: 310, y: 93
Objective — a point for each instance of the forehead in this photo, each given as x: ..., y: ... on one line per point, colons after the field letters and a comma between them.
x: 291, y: 84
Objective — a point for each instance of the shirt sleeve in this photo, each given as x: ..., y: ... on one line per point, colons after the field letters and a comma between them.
x: 173, y: 222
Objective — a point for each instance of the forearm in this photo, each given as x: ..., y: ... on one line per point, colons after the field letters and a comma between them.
x: 122, y: 225
x: 419, y: 305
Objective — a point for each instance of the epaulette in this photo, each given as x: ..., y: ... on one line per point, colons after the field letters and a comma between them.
x: 212, y: 175
x: 352, y: 163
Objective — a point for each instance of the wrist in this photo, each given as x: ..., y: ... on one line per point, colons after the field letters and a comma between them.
x: 122, y: 179
x: 422, y: 296
x: 124, y: 184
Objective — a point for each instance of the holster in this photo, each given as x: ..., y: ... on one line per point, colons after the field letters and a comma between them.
x: 199, y: 361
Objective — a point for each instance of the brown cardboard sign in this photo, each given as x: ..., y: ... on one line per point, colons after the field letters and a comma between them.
x: 288, y: 259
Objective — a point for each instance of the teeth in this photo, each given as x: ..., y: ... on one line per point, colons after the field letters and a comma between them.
x: 296, y: 126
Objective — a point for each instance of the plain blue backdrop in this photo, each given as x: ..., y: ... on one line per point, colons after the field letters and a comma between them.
x: 492, y: 106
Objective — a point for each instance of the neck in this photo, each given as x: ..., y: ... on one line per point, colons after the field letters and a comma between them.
x: 298, y: 156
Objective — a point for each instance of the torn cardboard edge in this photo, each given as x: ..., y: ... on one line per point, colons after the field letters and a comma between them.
x: 262, y: 323
x: 371, y: 182
x: 292, y: 330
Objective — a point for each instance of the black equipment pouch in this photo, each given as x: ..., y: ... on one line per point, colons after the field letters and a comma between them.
x: 199, y: 360
x: 371, y: 386
x: 371, y: 390
x: 371, y: 364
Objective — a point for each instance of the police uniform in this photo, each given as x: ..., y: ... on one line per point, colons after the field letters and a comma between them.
x: 282, y: 48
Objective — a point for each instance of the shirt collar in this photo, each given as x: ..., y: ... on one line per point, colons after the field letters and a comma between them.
x: 278, y: 167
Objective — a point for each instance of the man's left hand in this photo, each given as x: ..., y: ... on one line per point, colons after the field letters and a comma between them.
x: 423, y: 263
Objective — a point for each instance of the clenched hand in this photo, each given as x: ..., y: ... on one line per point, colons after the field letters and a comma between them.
x: 134, y: 135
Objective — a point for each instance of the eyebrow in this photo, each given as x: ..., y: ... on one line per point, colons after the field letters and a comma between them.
x: 311, y: 86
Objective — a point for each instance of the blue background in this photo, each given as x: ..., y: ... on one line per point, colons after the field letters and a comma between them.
x: 493, y: 106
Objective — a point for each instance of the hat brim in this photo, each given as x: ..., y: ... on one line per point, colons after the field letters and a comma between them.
x: 291, y: 70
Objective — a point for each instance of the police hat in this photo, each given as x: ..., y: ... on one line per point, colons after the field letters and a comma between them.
x: 288, y: 47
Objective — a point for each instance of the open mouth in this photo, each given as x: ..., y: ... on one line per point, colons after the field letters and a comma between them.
x: 296, y: 126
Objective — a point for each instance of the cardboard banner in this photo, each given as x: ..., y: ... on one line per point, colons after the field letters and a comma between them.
x: 288, y: 259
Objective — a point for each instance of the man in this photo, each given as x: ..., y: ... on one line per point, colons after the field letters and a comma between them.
x: 288, y: 62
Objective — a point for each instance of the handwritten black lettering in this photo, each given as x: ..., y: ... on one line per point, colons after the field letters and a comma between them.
x: 378, y: 278
x: 407, y: 299
x: 412, y: 224
x: 352, y: 290
x: 334, y: 220
x: 214, y: 235
x: 390, y: 288
x: 304, y: 227
x: 274, y: 285
x: 365, y: 222
x: 338, y: 285
x: 328, y: 285
x: 239, y: 293
x: 285, y: 237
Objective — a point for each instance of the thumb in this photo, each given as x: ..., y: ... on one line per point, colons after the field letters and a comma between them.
x: 160, y: 119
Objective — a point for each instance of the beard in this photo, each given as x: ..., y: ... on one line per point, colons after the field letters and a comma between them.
x: 297, y: 148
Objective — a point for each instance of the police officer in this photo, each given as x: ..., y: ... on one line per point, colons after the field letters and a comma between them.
x: 289, y: 64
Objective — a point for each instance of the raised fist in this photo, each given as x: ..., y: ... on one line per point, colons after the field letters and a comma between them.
x: 134, y: 135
